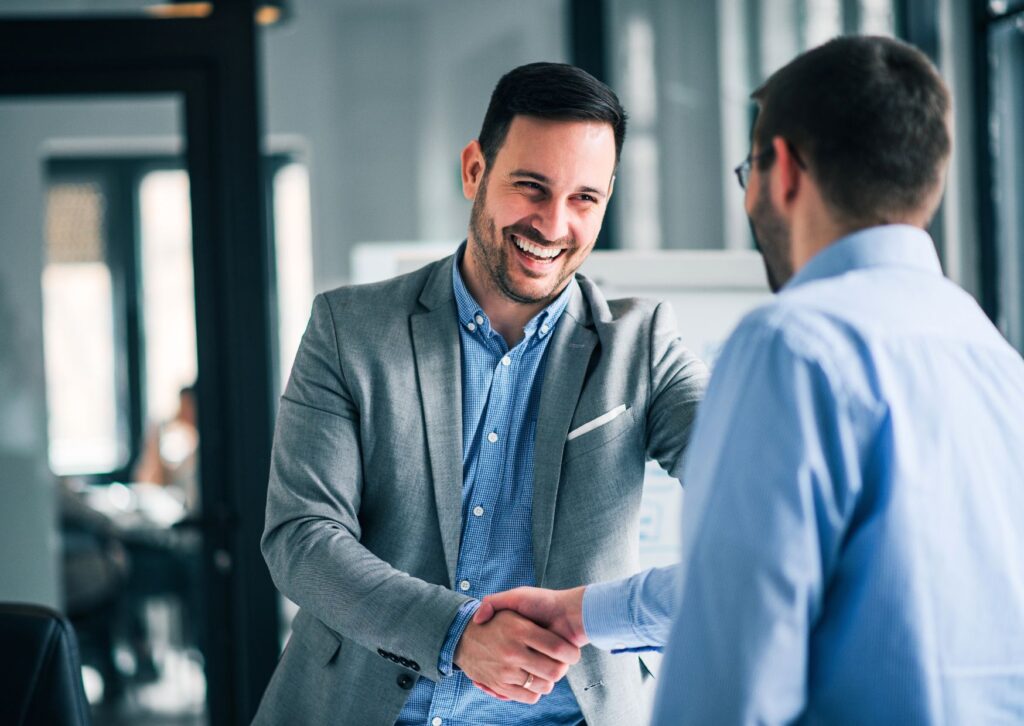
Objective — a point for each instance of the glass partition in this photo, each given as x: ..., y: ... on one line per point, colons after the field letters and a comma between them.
x: 99, y: 487
x: 1007, y: 128
x: 685, y: 72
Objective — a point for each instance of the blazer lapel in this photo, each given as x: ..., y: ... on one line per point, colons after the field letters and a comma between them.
x: 568, y: 356
x: 435, y: 336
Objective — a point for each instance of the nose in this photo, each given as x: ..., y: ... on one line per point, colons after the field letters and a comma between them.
x: 552, y: 220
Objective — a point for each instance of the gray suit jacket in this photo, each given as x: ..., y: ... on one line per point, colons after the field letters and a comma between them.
x: 364, y: 506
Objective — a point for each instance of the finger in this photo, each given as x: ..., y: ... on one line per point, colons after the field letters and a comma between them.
x: 540, y: 685
x: 507, y: 600
x: 555, y: 647
x: 508, y: 692
x: 489, y: 691
x: 515, y: 692
x: 542, y: 667
x: 483, y: 613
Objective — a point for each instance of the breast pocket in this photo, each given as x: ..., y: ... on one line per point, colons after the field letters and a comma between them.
x: 595, y: 432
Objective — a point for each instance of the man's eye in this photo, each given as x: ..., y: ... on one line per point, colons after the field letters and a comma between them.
x: 588, y: 198
x: 532, y: 186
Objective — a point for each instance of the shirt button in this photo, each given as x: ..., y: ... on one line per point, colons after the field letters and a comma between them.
x: 464, y: 585
x: 479, y: 319
x: 470, y: 327
x: 543, y: 328
x: 436, y: 721
x: 492, y: 437
x: 506, y: 361
x: 478, y: 511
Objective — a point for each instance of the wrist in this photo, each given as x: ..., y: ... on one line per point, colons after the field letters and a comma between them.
x: 606, y: 615
x: 448, y: 658
x: 573, y: 604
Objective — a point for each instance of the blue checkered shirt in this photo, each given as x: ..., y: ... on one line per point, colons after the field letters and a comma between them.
x: 500, y: 400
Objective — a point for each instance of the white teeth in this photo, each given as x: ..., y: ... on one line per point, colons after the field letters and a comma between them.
x: 546, y: 253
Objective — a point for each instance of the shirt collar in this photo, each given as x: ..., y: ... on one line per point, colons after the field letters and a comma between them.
x: 891, y: 245
x: 472, y: 316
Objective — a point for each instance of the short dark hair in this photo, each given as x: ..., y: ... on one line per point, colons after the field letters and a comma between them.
x: 869, y: 116
x: 554, y: 91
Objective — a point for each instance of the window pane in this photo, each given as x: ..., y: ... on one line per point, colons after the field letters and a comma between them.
x: 1007, y: 53
x: 685, y: 73
x: 294, y: 258
x: 78, y: 330
x: 168, y: 294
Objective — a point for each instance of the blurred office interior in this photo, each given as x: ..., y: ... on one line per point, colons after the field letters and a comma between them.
x: 180, y: 178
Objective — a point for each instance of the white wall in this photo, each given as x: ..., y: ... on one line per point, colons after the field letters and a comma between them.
x: 386, y: 93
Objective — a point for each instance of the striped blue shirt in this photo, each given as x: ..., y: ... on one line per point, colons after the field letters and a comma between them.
x: 500, y: 399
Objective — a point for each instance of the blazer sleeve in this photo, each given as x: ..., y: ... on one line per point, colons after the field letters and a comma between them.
x: 311, y: 541
x: 678, y: 382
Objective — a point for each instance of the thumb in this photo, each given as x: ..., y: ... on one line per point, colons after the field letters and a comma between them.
x: 483, y: 613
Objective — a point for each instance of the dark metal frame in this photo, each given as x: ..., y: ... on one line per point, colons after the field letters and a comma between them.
x: 985, y: 181
x: 588, y: 49
x: 211, y: 63
x: 917, y: 23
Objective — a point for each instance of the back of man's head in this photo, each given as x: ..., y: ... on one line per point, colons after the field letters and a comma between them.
x: 870, y: 116
x: 551, y: 91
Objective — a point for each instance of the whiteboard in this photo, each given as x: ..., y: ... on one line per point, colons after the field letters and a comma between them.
x: 710, y: 291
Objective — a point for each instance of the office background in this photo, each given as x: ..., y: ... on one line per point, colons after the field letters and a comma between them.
x: 179, y: 180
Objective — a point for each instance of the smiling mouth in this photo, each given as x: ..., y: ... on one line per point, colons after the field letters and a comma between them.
x: 536, y: 252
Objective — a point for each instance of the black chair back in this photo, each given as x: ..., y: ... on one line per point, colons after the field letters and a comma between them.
x: 40, y: 669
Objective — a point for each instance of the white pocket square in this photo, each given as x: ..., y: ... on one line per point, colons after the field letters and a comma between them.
x: 597, y: 422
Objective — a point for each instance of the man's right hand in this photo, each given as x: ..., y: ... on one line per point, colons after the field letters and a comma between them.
x: 503, y: 653
x: 561, y: 611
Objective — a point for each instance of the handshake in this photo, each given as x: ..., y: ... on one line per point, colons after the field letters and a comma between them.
x: 521, y: 642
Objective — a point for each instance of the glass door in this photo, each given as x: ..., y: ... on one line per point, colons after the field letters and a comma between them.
x: 100, y: 491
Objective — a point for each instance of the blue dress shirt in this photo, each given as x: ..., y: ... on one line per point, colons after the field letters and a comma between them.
x: 500, y: 400
x: 853, y: 530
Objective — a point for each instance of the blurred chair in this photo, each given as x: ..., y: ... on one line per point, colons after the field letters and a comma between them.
x: 40, y: 671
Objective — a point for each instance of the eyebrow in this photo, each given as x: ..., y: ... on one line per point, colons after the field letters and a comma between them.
x: 544, y: 180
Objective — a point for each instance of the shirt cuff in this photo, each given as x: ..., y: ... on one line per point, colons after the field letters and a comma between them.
x: 633, y: 614
x: 466, y: 612
x: 606, y: 615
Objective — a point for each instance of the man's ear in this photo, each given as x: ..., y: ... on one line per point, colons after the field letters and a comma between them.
x: 473, y: 167
x: 787, y: 172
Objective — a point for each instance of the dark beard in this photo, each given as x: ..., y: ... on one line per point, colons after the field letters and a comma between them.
x: 491, y: 254
x: 773, y: 241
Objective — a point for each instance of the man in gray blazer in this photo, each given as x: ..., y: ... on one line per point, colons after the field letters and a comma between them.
x: 480, y: 424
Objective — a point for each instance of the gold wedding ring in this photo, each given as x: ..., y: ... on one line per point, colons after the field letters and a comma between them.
x: 529, y: 681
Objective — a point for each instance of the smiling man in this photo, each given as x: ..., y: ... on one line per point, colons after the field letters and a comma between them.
x: 477, y: 425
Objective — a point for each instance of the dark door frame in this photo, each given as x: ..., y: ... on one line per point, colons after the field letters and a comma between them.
x: 212, y: 64
x: 985, y: 20
x: 589, y: 49
x: 917, y: 22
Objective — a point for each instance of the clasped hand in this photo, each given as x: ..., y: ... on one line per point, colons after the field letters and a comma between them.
x: 521, y: 642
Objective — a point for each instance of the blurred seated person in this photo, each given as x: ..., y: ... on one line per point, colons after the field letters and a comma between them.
x: 166, y: 560
x: 170, y: 452
x: 96, y: 568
